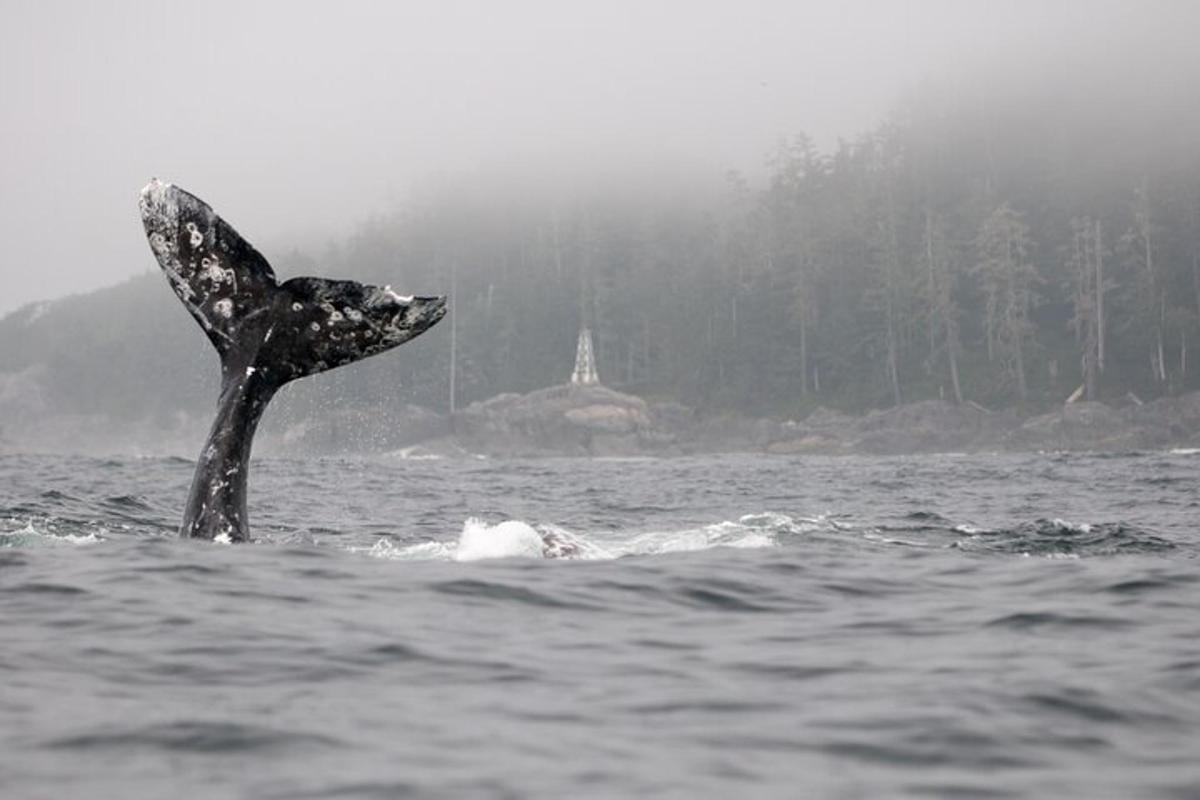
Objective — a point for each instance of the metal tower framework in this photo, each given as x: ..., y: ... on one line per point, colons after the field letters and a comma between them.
x: 585, y: 361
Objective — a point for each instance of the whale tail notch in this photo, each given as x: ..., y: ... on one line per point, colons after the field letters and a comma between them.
x: 280, y: 332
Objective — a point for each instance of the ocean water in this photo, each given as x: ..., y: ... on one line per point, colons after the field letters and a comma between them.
x: 976, y: 626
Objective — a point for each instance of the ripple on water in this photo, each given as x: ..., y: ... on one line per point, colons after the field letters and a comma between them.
x: 1051, y: 537
x: 753, y: 629
x: 1035, y: 619
x: 492, y: 591
x: 193, y: 736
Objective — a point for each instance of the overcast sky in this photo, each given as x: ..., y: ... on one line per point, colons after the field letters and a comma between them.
x: 296, y: 120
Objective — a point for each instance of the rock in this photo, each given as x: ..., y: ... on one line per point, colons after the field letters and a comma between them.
x: 727, y: 433
x: 826, y: 420
x: 608, y: 418
x: 598, y: 421
x: 1087, y: 425
x: 560, y: 420
x: 926, y: 426
x: 1168, y: 419
x: 926, y: 414
x: 672, y: 419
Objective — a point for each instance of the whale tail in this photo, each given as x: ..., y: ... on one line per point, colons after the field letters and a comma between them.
x: 279, y: 332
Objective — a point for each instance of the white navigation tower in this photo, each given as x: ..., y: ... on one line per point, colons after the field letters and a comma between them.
x: 585, y: 361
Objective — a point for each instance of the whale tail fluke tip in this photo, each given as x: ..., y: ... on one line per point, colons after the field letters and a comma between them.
x: 304, y: 326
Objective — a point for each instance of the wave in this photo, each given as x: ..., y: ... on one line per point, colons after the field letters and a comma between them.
x: 192, y: 736
x: 1047, y: 538
x: 479, y: 540
x: 1061, y: 538
x: 43, y: 533
x: 415, y: 453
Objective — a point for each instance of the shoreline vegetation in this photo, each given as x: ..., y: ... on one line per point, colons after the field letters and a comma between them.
x: 943, y: 281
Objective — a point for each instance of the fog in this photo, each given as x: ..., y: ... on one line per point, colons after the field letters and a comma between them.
x: 299, y: 120
x: 851, y: 343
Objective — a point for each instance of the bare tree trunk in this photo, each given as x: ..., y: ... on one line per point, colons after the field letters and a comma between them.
x: 1099, y: 256
x: 803, y: 358
x: 893, y: 370
x: 935, y: 292
x: 893, y: 267
x: 952, y: 349
x: 1157, y: 292
x: 647, y: 367
x: 1022, y: 389
x: 942, y: 303
x: 1182, y: 355
x: 1085, y: 262
x: 1089, y: 376
x: 1196, y: 279
x: 1015, y: 325
x: 453, y: 336
x: 557, y: 247
x: 1162, y: 362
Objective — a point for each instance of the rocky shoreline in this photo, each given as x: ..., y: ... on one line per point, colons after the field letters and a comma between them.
x: 596, y: 421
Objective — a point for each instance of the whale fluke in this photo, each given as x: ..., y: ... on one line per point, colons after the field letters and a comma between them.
x: 266, y: 334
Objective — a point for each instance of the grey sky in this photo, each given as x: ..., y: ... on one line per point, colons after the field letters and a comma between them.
x: 299, y: 119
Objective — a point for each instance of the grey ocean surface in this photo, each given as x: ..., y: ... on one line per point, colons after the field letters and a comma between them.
x: 935, y: 626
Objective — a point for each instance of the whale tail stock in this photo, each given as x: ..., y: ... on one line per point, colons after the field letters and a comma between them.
x: 266, y: 333
x: 279, y: 332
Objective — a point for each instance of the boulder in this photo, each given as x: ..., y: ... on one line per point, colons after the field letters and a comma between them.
x: 828, y: 421
x: 671, y: 418
x: 560, y: 420
x: 608, y: 418
x: 1086, y: 425
x: 1168, y: 419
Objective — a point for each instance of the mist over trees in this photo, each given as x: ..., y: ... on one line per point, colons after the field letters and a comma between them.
x: 1004, y: 254
x: 1006, y: 259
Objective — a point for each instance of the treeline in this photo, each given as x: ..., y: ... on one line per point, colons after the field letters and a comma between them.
x: 1006, y: 259
x: 995, y: 252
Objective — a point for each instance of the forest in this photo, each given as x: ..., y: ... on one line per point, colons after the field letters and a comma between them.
x: 1012, y: 259
x: 1007, y: 254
